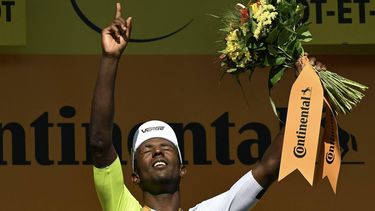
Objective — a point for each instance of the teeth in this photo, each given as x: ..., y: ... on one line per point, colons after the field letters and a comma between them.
x: 160, y: 163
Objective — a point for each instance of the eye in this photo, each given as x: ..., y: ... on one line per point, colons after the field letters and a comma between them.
x: 166, y: 147
x: 146, y: 149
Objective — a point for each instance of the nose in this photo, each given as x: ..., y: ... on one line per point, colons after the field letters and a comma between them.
x: 157, y: 152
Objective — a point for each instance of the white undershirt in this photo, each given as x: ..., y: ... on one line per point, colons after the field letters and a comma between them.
x: 240, y: 197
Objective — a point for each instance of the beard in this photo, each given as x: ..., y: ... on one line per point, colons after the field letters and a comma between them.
x: 160, y: 184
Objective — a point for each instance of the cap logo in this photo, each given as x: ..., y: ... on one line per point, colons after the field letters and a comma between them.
x: 152, y: 128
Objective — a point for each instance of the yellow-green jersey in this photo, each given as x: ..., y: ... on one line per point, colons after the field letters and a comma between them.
x: 114, y: 196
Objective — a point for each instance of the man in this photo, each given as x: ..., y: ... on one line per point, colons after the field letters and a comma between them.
x: 157, y: 162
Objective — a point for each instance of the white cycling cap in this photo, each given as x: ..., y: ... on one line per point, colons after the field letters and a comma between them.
x: 154, y: 129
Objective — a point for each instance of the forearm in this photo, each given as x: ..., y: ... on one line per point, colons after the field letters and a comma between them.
x: 241, y: 196
x: 102, y: 113
x: 266, y: 171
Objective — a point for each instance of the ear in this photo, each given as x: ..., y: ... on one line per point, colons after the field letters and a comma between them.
x: 135, y: 178
x: 183, y: 171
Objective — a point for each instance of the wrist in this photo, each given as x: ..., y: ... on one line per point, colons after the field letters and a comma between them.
x: 109, y: 61
x: 112, y: 53
x: 112, y: 56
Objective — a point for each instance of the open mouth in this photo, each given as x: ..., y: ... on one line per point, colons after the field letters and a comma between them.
x: 159, y: 163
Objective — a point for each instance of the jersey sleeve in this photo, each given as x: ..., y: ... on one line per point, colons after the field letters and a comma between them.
x: 240, y: 197
x: 112, y: 193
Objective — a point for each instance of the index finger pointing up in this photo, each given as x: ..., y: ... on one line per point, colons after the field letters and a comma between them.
x: 118, y: 10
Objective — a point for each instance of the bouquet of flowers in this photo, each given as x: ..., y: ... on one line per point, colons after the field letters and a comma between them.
x: 270, y: 33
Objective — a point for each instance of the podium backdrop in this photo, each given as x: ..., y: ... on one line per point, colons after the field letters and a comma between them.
x: 46, y: 105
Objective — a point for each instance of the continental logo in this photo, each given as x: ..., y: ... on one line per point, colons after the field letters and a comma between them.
x: 330, y: 155
x: 96, y: 28
x: 300, y: 149
x: 16, y: 137
x: 152, y: 129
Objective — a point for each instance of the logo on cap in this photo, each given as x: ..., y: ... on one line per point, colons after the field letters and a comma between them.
x: 152, y: 128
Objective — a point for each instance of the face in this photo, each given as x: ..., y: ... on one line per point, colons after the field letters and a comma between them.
x: 156, y: 163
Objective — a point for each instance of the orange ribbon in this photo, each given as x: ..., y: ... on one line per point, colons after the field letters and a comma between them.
x: 303, y: 124
x: 330, y: 158
x: 301, y: 138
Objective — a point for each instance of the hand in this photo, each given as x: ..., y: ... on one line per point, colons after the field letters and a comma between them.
x: 316, y: 64
x: 115, y: 37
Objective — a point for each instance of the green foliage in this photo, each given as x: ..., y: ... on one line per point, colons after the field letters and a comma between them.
x: 343, y: 94
x: 270, y: 34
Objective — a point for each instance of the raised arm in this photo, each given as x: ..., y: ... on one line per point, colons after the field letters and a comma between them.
x: 267, y: 169
x: 114, y: 40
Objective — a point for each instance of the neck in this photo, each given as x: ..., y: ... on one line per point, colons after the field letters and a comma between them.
x: 164, y: 201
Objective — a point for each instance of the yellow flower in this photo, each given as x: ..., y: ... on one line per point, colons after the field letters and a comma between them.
x: 235, y: 51
x: 232, y: 36
x: 255, y: 7
x: 264, y: 16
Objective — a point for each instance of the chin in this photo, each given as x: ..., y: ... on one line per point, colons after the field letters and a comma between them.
x: 164, y: 178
